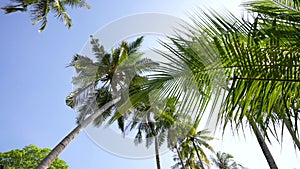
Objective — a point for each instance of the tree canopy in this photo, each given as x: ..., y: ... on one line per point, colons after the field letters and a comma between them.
x: 29, y: 157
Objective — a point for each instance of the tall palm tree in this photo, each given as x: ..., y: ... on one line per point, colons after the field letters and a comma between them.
x: 225, y: 161
x: 39, y: 9
x: 99, y: 86
x: 254, y: 62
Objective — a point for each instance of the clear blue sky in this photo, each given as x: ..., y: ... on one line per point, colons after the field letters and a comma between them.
x: 35, y: 82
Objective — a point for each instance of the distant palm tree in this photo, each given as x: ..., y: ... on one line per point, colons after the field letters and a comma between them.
x: 99, y: 86
x: 225, y: 161
x: 191, y: 146
x: 187, y: 154
x: 155, y: 121
x: 180, y: 158
x: 199, y: 139
x: 176, y: 135
x: 39, y: 9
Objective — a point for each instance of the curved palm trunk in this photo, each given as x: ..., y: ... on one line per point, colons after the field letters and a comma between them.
x: 180, y: 158
x: 47, y: 161
x: 200, y: 161
x: 263, y: 145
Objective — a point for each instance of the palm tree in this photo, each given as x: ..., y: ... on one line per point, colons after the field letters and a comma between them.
x: 175, y: 137
x: 254, y: 62
x: 190, y: 152
x: 188, y: 157
x: 39, y: 9
x: 199, y: 139
x: 188, y: 144
x: 99, y: 86
x: 180, y: 158
x: 156, y: 122
x: 225, y: 161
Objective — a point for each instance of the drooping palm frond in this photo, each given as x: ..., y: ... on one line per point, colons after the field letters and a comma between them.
x: 76, y: 3
x: 61, y: 14
x: 39, y: 13
x: 277, y: 7
x: 175, y: 79
x: 252, y: 61
x: 276, y: 21
x: 295, y: 4
x: 18, y: 5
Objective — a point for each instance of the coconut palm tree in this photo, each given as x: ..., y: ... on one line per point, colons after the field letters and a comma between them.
x: 178, y: 158
x: 190, y: 153
x: 188, y: 144
x: 99, y: 85
x: 188, y: 157
x: 39, y: 9
x: 225, y: 161
x: 155, y: 121
x: 199, y: 139
x: 184, y: 154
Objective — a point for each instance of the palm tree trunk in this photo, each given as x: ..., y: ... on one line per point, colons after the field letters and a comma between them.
x: 263, y: 145
x: 200, y: 161
x: 47, y: 161
x: 180, y: 158
x: 156, y: 146
x: 188, y: 160
x: 157, y: 152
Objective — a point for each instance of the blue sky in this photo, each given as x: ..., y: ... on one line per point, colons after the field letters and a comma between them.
x: 35, y: 82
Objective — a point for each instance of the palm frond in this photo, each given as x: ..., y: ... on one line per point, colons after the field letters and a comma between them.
x: 274, y: 9
x: 138, y: 138
x: 39, y: 13
x: 18, y: 6
x: 76, y: 3
x: 61, y: 14
x: 256, y: 62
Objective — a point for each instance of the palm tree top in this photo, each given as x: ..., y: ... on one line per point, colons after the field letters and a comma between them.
x: 39, y: 10
x: 225, y: 161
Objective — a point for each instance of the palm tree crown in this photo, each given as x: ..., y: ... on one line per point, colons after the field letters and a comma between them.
x: 225, y: 161
x: 39, y: 9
